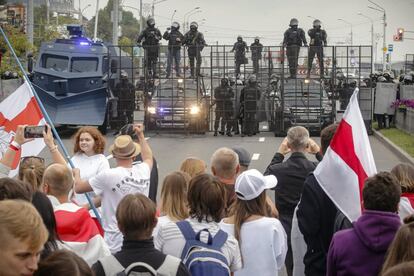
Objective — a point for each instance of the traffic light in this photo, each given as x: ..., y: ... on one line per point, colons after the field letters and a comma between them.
x: 400, y: 34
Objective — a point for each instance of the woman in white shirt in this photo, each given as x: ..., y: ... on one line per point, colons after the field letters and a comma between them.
x: 262, y: 239
x: 89, y: 147
x: 173, y: 206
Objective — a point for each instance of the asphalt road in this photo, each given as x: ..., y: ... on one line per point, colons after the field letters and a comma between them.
x: 171, y: 149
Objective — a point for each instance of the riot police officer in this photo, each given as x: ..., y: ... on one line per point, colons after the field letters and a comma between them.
x: 175, y: 39
x: 249, y: 96
x: 317, y: 42
x: 223, y: 96
x: 195, y: 42
x: 240, y: 48
x: 256, y: 49
x: 151, y: 44
x: 293, y: 39
x: 125, y: 92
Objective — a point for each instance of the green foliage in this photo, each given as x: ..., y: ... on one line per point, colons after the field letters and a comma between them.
x: 129, y: 25
x: 20, y: 44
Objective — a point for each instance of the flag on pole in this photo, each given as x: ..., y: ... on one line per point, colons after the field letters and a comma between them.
x: 347, y: 162
x: 20, y: 108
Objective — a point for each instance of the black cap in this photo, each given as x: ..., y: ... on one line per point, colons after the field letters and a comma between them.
x: 244, y: 156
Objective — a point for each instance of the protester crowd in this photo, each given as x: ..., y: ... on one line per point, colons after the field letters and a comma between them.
x: 221, y: 220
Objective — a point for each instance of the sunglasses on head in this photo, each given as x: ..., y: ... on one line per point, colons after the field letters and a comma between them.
x: 26, y: 158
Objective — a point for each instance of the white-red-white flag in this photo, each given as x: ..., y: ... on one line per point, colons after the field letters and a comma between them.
x: 406, y: 206
x: 20, y: 108
x: 347, y: 162
x: 79, y: 233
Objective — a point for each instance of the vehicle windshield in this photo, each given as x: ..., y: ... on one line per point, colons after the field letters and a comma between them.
x: 84, y: 64
x: 55, y: 62
x: 176, y: 93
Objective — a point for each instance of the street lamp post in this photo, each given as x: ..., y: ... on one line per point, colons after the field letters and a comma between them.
x: 153, y: 6
x: 188, y: 17
x: 372, y: 38
x: 95, y: 29
x: 384, y: 42
x: 172, y: 16
x: 350, y: 24
x: 81, y: 13
x: 185, y: 15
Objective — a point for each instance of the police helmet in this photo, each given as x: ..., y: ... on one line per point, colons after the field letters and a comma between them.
x: 224, y: 81
x: 194, y: 25
x: 151, y: 22
x: 252, y: 79
x: 232, y: 80
x: 175, y: 25
x: 408, y: 78
x: 256, y: 39
x: 293, y: 22
x: 239, y: 38
x: 124, y: 74
x: 316, y: 23
x: 381, y: 79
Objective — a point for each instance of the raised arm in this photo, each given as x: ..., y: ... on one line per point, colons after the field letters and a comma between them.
x: 146, y: 152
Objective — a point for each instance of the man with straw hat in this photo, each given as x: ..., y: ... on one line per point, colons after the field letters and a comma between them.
x: 115, y: 183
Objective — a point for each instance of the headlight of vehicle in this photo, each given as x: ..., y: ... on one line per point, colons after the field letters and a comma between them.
x: 194, y: 110
x: 152, y: 110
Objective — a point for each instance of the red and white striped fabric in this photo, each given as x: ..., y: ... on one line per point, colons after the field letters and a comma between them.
x: 20, y: 108
x: 79, y: 232
x: 406, y: 206
x: 347, y: 162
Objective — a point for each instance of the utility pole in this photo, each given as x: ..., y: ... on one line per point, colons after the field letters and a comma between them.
x: 30, y: 21
x: 115, y: 22
x: 141, y: 26
x: 384, y: 41
x: 47, y: 12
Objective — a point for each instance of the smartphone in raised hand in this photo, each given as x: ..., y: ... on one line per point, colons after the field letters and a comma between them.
x: 34, y: 131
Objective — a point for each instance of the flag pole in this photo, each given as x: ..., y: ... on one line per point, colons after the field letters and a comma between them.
x: 48, y: 120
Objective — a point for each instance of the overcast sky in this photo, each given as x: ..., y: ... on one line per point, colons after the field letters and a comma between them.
x: 268, y: 19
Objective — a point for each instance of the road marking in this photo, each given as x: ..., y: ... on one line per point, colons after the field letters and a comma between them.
x: 261, y: 139
x: 255, y: 156
x: 265, y: 127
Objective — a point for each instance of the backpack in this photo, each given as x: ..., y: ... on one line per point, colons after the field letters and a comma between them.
x: 112, y: 267
x: 203, y: 259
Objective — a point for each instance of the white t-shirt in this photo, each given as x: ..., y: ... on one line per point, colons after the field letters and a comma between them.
x: 113, y: 185
x: 263, y: 246
x: 89, y: 166
x: 161, y: 221
x: 171, y: 241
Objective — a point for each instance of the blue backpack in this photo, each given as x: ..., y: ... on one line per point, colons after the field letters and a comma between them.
x: 203, y: 259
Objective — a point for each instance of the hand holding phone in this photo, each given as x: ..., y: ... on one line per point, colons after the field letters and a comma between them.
x: 34, y: 131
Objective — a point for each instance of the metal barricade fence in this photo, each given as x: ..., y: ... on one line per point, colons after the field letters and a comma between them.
x: 409, y: 63
x: 311, y: 99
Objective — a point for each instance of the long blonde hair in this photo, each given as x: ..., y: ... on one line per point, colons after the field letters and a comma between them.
x: 174, y: 196
x: 193, y: 166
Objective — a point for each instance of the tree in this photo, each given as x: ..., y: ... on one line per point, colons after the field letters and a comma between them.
x: 129, y: 24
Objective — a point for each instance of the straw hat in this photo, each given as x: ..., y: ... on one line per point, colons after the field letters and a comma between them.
x: 124, y: 148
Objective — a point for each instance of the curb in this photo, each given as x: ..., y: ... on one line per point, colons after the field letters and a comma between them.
x: 394, y: 148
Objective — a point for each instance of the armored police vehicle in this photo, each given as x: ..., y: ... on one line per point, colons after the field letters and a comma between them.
x: 71, y: 78
x: 179, y: 104
x: 305, y: 103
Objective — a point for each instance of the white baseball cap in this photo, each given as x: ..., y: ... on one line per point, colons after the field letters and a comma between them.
x: 251, y: 183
